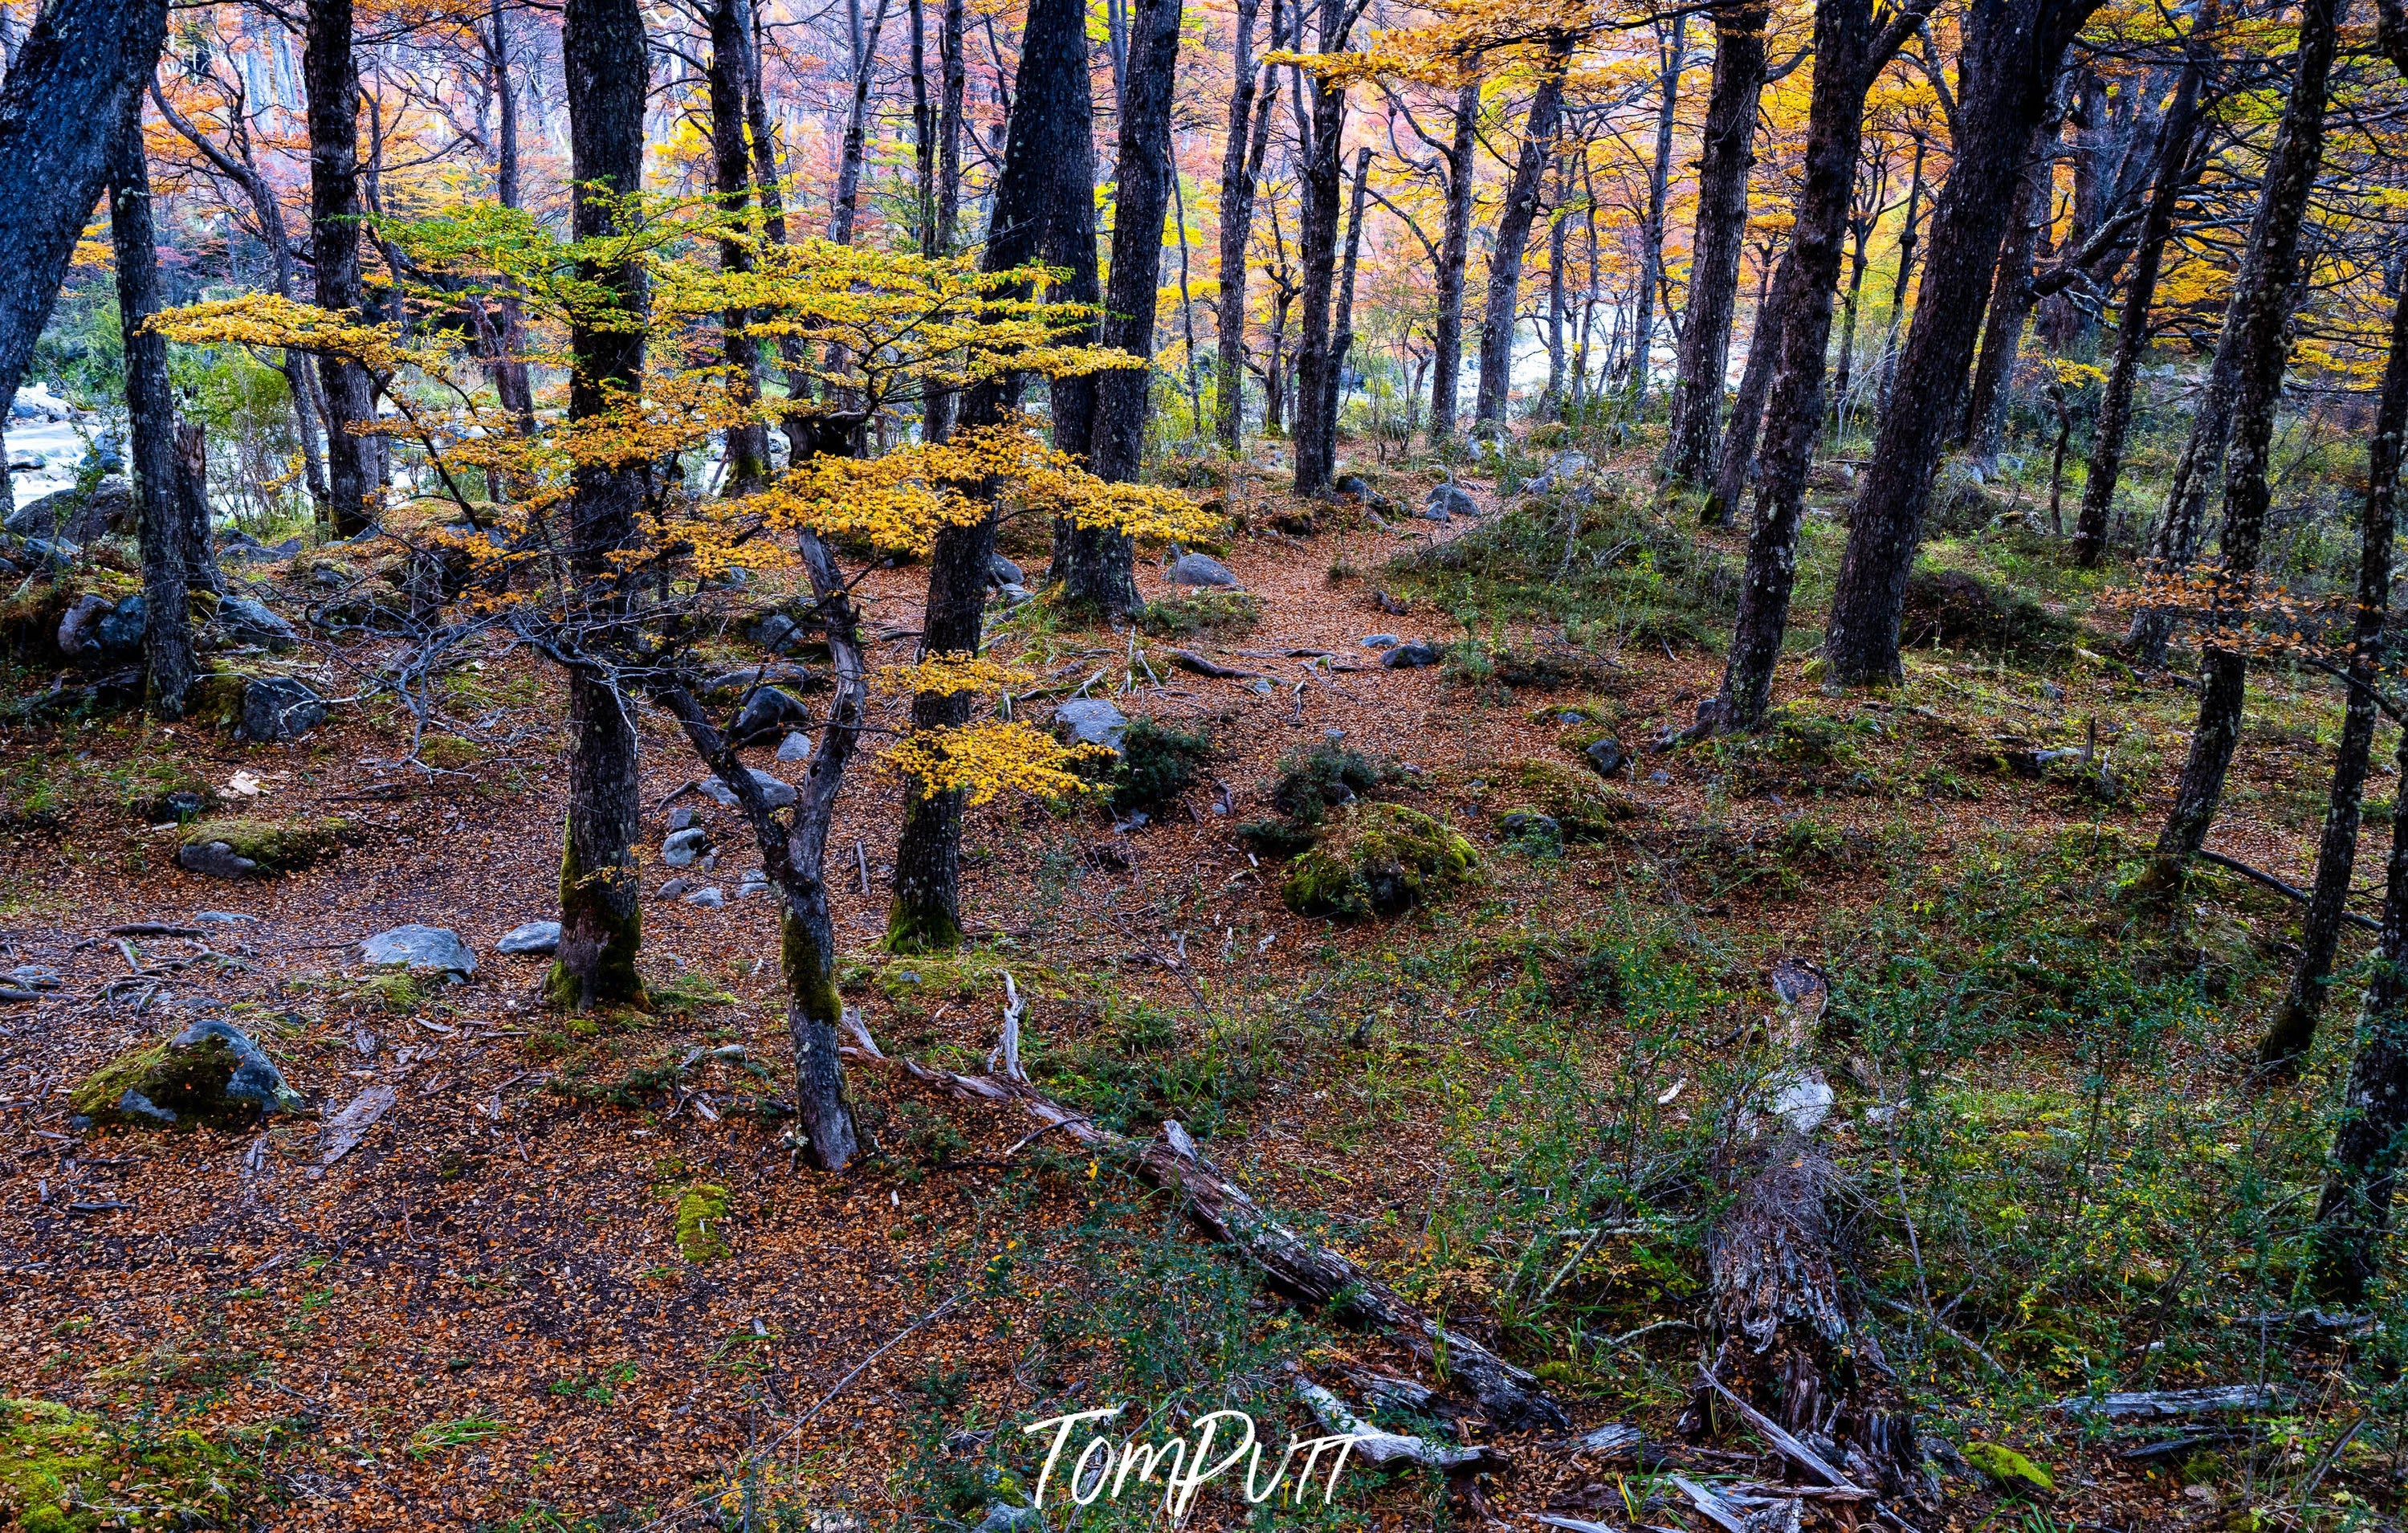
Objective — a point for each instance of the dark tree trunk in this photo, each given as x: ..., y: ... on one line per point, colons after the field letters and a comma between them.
x: 1559, y: 228
x: 1984, y: 424
x: 856, y: 123
x: 603, y: 56
x: 1659, y: 183
x: 1909, y: 233
x: 1849, y: 50
x: 61, y: 109
x: 1317, y: 253
x: 2257, y: 328
x: 151, y: 408
x: 1453, y: 255
x: 1501, y: 318
x: 1720, y: 240
x: 2197, y: 474
x: 2294, y: 1027
x: 1096, y: 565
x: 2010, y: 61
x: 1860, y: 230
x: 1735, y: 462
x: 731, y: 48
x: 1044, y: 210
x: 335, y: 209
x: 1251, y: 105
x: 949, y: 128
x: 510, y: 381
x: 199, y: 553
x: 1341, y: 343
x: 2132, y: 332
x: 924, y: 137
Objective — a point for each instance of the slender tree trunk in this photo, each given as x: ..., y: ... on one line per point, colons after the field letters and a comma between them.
x: 1453, y: 256
x: 1317, y: 253
x: 1044, y: 210
x: 1721, y: 239
x: 61, y: 108
x: 1659, y: 181
x: 1735, y: 463
x: 1341, y: 343
x: 199, y: 554
x: 856, y: 123
x: 1241, y: 160
x: 2257, y: 327
x: 511, y: 382
x: 1551, y: 406
x: 604, y: 62
x: 2010, y: 61
x: 1859, y: 232
x: 1096, y: 565
x: 2198, y: 473
x: 949, y: 130
x: 335, y: 209
x: 1501, y: 317
x: 2132, y: 332
x: 747, y: 445
x: 1984, y: 424
x: 1908, y: 235
x: 924, y: 139
x: 151, y: 408
x: 1849, y: 50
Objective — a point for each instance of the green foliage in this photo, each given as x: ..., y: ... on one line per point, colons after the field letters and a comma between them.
x: 1378, y: 860
x: 65, y: 1472
x: 1221, y: 612
x: 277, y: 846
x: 1157, y: 762
x: 2007, y: 1467
x: 1587, y: 808
x: 1955, y: 609
x: 702, y: 1223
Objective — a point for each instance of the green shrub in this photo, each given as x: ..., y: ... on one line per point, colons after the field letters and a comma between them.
x: 1378, y: 860
x: 1157, y: 764
x: 1200, y: 612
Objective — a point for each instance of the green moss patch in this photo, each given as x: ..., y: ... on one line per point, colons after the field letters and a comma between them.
x: 277, y: 846
x: 2007, y: 1467
x: 68, y: 1471
x: 1200, y: 612
x: 702, y: 1223
x: 1587, y: 808
x: 1378, y: 859
x: 201, y: 1077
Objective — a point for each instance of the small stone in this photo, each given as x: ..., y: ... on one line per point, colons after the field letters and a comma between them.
x: 214, y: 859
x: 1002, y: 571
x: 1531, y: 823
x: 779, y: 793
x: 1261, y: 684
x: 1606, y: 755
x: 683, y: 846
x: 418, y: 946
x: 675, y: 887
x: 769, y: 712
x: 1091, y: 720
x: 247, y: 622
x: 1201, y: 569
x: 711, y: 899
x: 796, y: 746
x: 1660, y: 777
x: 535, y: 937
x: 1409, y: 657
x: 118, y: 632
x: 1381, y: 641
x: 277, y: 707
x: 681, y: 817
x: 226, y: 918
x: 365, y: 1042
x: 1447, y: 500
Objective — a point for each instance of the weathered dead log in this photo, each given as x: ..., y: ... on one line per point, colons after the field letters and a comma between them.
x: 1789, y: 1356
x: 2168, y: 1404
x: 1312, y: 1274
x: 1374, y: 1446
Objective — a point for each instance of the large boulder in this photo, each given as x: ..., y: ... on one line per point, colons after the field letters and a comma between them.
x: 1447, y: 501
x: 240, y: 849
x: 1562, y: 469
x: 280, y: 708
x: 769, y: 715
x: 1201, y: 569
x: 243, y: 621
x: 1378, y: 859
x: 779, y: 793
x: 684, y: 846
x: 1091, y: 720
x: 78, y: 516
x: 419, y: 947
x: 535, y: 937
x: 1002, y: 571
x: 208, y: 1073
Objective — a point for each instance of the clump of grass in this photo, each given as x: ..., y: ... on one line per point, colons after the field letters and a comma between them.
x: 1378, y: 860
x: 1221, y: 612
x: 1310, y: 782
x: 1960, y: 610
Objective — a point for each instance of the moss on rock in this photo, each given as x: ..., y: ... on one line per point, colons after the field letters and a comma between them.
x: 210, y: 1073
x: 277, y: 846
x: 2007, y: 1467
x: 1587, y: 808
x: 1377, y: 860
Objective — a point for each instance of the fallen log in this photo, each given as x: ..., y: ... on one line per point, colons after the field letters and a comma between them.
x: 1788, y: 1355
x: 1188, y: 660
x: 2167, y: 1404
x: 1374, y: 1446
x: 1309, y: 1273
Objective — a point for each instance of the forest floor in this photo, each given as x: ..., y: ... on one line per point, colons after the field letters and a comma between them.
x: 573, y: 1278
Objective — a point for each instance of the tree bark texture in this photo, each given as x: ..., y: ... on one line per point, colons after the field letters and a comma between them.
x: 62, y: 109
x: 1659, y: 183
x: 2257, y: 328
x: 1720, y: 240
x: 1342, y: 334
x: 604, y: 62
x: 1317, y: 253
x: 2012, y: 300
x: 1735, y: 454
x: 335, y: 210
x: 1252, y: 101
x: 1453, y: 256
x: 1499, y: 320
x: 856, y: 125
x: 731, y: 46
x: 151, y: 407
x: 2009, y: 64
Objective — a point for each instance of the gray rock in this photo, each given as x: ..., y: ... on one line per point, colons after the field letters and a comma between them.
x: 1002, y: 571
x: 1201, y: 569
x: 770, y: 711
x: 118, y: 633
x: 676, y: 887
x: 1012, y: 596
x: 775, y: 633
x: 681, y: 817
x: 711, y: 899
x: 1003, y: 1517
x: 1607, y: 755
x: 77, y: 637
x: 1411, y: 656
x: 754, y: 882
x: 535, y: 937
x: 1091, y: 720
x: 794, y: 746
x: 1354, y: 484
x: 1381, y: 641
x: 419, y: 946
x: 728, y: 685
x: 106, y: 510
x: 1447, y: 500
x: 1531, y: 823
x: 1262, y: 684
x: 256, y: 1079
x: 279, y: 707
x: 216, y: 860
x: 683, y: 846
x: 779, y: 793
x: 248, y: 622
x: 226, y: 918
x: 55, y: 554
x: 1562, y: 468
x: 142, y: 1109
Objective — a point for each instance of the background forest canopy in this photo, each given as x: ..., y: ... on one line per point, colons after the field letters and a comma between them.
x: 1833, y: 929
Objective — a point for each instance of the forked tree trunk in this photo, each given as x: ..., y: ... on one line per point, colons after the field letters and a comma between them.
x: 2010, y: 61
x: 1341, y: 341
x: 2257, y: 327
x: 857, y: 124
x: 1721, y: 240
x: 1735, y: 456
x: 1096, y: 565
x: 335, y: 209
x: 1501, y: 318
x: 2198, y: 473
x: 731, y: 46
x: 1044, y: 210
x: 603, y: 59
x: 151, y: 408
